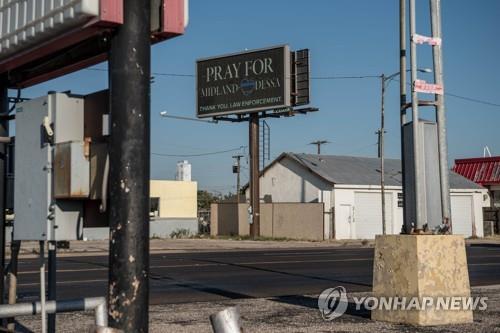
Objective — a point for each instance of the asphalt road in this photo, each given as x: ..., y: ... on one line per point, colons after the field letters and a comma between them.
x: 211, y: 276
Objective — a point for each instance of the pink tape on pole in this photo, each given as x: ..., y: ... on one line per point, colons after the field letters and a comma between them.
x: 428, y: 88
x: 419, y: 39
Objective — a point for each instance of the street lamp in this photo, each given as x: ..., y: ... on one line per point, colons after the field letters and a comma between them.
x: 166, y: 115
x: 385, y: 80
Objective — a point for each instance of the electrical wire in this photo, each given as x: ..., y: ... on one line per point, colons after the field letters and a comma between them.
x: 344, y: 77
x: 334, y: 77
x: 470, y: 99
x: 201, y: 154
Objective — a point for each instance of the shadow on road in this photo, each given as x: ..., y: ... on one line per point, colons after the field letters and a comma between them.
x: 343, y: 282
x: 484, y: 245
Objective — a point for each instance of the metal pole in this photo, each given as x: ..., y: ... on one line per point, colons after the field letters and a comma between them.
x: 263, y: 157
x: 381, y: 149
x: 318, y: 144
x: 52, y: 284
x: 419, y: 223
x: 402, y: 92
x: 42, y: 287
x: 238, y: 179
x: 435, y: 6
x: 15, y: 246
x: 254, y: 175
x: 129, y: 153
x: 98, y: 304
x: 227, y: 321
x: 4, y: 132
x: 238, y: 184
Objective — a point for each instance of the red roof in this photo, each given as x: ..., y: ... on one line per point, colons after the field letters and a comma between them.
x: 483, y: 171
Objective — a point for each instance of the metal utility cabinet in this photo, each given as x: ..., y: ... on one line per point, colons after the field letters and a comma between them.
x: 53, y: 187
x: 431, y: 196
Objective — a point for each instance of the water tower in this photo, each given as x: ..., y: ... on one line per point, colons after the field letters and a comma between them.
x: 183, y: 171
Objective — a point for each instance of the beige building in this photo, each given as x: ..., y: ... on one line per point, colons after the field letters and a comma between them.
x: 177, y: 199
x: 174, y: 206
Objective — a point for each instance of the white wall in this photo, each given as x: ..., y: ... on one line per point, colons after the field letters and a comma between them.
x: 287, y: 181
x: 480, y: 199
x: 344, y: 196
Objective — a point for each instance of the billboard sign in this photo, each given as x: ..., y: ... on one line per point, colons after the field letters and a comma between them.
x: 245, y: 82
x: 41, y: 40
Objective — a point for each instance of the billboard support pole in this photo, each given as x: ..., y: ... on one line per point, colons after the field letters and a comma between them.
x: 129, y: 153
x: 254, y: 175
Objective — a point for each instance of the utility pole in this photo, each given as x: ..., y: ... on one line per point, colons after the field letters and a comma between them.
x: 237, y: 170
x: 402, y: 92
x: 4, y: 132
x: 129, y: 153
x: 435, y: 8
x: 419, y: 194
x: 254, y: 175
x: 381, y: 133
x: 318, y: 144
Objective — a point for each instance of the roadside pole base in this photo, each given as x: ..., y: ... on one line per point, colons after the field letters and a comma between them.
x: 431, y: 268
x: 102, y: 329
x: 227, y: 321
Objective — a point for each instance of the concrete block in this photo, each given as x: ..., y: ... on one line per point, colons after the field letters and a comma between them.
x: 421, y: 266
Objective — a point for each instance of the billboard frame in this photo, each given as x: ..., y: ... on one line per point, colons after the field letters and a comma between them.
x: 287, y: 82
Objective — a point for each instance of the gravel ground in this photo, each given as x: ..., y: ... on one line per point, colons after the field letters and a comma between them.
x: 281, y: 314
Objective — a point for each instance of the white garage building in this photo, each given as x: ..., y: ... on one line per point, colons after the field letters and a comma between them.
x: 350, y: 189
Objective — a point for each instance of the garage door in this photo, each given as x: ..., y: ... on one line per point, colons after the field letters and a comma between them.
x: 461, y: 215
x: 368, y: 214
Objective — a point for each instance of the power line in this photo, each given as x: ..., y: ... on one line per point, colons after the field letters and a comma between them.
x: 201, y: 154
x: 334, y: 77
x: 312, y: 77
x: 356, y: 150
x: 469, y: 99
x: 475, y: 100
x: 344, y: 77
x: 153, y: 73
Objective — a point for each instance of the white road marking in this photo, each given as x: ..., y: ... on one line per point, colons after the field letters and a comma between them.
x: 206, y: 264
x: 61, y: 282
x: 243, y: 263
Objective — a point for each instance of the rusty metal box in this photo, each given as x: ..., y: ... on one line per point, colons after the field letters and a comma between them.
x: 71, y: 170
x: 98, y: 156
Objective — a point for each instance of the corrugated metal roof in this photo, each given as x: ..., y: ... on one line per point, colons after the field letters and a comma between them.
x: 363, y: 170
x: 484, y: 171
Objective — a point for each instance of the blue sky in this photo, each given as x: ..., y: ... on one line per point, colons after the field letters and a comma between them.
x: 346, y: 37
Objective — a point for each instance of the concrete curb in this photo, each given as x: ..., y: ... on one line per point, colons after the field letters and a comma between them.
x: 165, y: 246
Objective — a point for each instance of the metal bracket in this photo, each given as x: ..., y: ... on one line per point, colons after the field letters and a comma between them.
x: 276, y: 113
x: 420, y: 103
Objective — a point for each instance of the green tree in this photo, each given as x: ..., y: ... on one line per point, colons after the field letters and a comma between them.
x: 206, y: 198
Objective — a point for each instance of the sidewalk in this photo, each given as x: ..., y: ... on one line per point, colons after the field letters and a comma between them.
x: 31, y: 248
x: 282, y: 314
